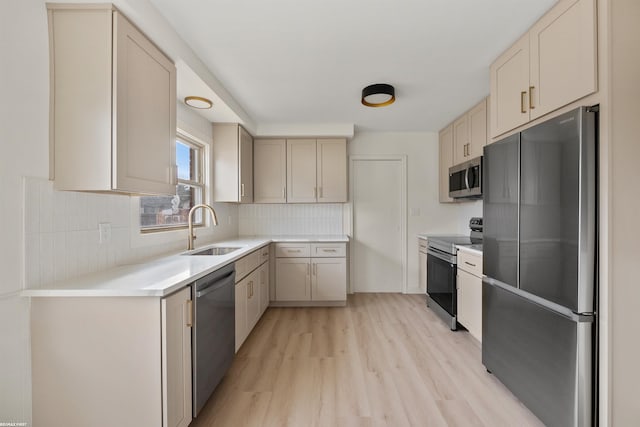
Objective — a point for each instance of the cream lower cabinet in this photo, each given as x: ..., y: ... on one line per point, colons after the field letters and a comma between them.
x: 469, y: 293
x: 552, y: 65
x: 311, y: 274
x: 112, y: 361
x: 113, y: 104
x: 422, y: 260
x: 251, y: 284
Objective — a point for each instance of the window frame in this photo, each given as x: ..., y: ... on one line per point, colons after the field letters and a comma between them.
x: 199, y: 164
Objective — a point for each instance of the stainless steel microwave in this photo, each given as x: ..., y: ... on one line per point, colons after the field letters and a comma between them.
x: 465, y: 179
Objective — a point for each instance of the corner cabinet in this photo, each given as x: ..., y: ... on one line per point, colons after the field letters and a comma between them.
x: 270, y: 171
x: 310, y: 274
x: 232, y: 153
x: 552, y: 65
x: 132, y: 352
x: 112, y: 104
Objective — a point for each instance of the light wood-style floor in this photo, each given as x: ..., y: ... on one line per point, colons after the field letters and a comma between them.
x: 384, y: 360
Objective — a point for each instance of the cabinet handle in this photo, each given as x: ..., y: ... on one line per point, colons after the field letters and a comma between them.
x: 190, y: 313
x: 314, y: 192
x: 522, y: 106
x: 241, y: 190
x: 468, y: 263
x: 284, y: 192
x: 293, y: 250
x: 328, y: 250
x: 265, y: 254
x: 531, y: 88
x: 319, y: 191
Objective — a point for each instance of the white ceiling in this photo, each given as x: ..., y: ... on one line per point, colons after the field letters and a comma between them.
x: 298, y: 62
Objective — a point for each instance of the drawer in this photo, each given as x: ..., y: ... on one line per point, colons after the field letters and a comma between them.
x: 422, y: 245
x: 264, y: 254
x: 293, y: 250
x: 248, y: 263
x: 470, y: 262
x: 328, y: 250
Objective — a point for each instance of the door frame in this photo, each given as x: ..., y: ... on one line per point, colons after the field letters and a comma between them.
x: 402, y: 158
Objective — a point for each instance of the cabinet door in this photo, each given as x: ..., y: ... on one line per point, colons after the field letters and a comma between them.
x: 477, y: 129
x: 509, y: 88
x: 470, y: 303
x: 241, y: 312
x: 253, y: 299
x: 145, y: 114
x: 422, y: 271
x: 269, y: 170
x: 246, y: 166
x: 264, y: 287
x: 460, y: 139
x: 329, y: 279
x: 176, y: 317
x: 301, y: 170
x: 332, y: 170
x: 293, y: 279
x: 563, y: 56
x: 446, y: 161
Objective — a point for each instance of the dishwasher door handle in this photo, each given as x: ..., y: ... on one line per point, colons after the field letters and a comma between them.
x: 214, y: 286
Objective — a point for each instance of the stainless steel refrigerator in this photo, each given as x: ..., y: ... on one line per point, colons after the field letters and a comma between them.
x: 539, y: 255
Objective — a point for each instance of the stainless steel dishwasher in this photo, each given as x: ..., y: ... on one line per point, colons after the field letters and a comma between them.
x: 213, y: 332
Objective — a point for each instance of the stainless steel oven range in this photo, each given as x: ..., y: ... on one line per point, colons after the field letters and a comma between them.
x: 442, y: 270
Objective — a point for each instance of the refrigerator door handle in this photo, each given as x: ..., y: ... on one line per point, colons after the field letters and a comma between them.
x: 557, y: 308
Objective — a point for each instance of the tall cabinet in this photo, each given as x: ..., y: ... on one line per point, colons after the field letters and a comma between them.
x: 112, y: 104
x: 232, y: 159
x: 270, y: 171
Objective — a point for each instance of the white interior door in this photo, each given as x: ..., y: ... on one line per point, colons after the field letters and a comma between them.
x: 378, y: 255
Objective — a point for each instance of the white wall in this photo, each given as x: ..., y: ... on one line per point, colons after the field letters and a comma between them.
x: 425, y: 213
x: 55, y: 248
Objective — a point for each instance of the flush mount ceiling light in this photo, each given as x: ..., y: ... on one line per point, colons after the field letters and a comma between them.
x: 198, y: 102
x: 378, y: 95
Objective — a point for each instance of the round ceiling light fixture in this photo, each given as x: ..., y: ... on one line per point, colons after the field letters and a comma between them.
x: 378, y: 95
x: 198, y: 102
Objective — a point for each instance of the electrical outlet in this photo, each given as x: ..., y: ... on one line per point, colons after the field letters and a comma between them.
x: 104, y: 232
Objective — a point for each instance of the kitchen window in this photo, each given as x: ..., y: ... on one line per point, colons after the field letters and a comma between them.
x: 161, y: 213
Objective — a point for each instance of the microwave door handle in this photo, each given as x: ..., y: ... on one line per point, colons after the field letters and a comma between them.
x: 466, y: 178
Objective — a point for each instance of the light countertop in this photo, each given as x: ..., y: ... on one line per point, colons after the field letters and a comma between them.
x: 162, y: 276
x: 469, y: 249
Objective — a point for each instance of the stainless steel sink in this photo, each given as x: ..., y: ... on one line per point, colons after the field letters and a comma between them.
x: 215, y: 251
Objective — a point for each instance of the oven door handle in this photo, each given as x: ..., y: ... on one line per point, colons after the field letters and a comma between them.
x: 451, y: 259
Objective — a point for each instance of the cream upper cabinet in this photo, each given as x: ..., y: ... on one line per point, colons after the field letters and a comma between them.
x: 270, y: 170
x: 470, y: 133
x: 446, y: 161
x: 478, y: 135
x: 125, y: 140
x: 509, y: 88
x: 232, y: 159
x: 460, y: 139
x: 301, y: 171
x: 563, y: 64
x: 176, y: 359
x: 552, y: 65
x: 331, y: 168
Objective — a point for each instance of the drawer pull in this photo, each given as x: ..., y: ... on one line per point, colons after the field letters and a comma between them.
x: 190, y: 315
x: 265, y: 253
x: 468, y: 263
x: 293, y: 250
x: 329, y: 250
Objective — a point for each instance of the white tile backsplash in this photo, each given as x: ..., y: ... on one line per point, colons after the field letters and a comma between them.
x: 290, y: 219
x: 62, y: 239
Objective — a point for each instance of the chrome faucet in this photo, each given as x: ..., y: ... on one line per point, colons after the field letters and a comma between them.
x: 192, y: 236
